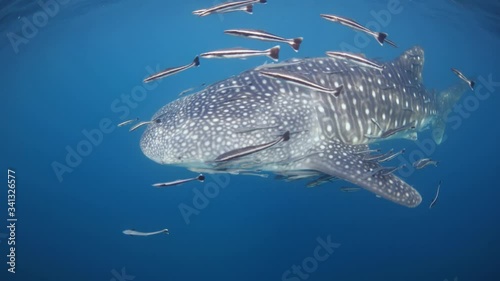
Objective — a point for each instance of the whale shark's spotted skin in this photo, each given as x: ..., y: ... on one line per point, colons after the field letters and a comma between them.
x: 327, y: 133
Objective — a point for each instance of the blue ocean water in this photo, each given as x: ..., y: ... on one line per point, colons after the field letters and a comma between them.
x: 68, y: 81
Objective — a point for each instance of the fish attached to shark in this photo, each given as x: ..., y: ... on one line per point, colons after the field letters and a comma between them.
x: 329, y: 135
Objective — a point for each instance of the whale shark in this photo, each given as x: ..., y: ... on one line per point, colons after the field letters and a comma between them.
x: 329, y: 134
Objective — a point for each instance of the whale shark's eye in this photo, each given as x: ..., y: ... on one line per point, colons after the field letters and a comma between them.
x: 157, y: 121
x: 179, y: 157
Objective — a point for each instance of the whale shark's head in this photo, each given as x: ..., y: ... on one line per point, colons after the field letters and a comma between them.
x: 194, y: 130
x: 173, y: 136
x: 238, y: 112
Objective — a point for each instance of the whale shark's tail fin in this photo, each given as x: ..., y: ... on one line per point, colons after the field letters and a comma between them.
x: 446, y: 100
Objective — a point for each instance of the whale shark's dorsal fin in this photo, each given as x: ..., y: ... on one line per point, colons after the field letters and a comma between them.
x: 412, y: 61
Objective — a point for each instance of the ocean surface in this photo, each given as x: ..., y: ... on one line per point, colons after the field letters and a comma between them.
x: 72, y: 70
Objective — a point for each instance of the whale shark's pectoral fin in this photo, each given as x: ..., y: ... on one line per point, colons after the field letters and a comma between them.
x: 341, y: 160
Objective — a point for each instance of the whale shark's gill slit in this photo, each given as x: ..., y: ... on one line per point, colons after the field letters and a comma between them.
x: 253, y: 129
x: 389, y: 88
x: 224, y: 89
x: 289, y: 161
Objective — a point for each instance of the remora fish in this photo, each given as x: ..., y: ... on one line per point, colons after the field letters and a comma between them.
x: 380, y: 36
x: 330, y: 131
x: 321, y: 180
x: 461, y: 76
x: 140, y: 124
x: 240, y: 152
x: 200, y: 178
x: 422, y: 163
x: 172, y: 70
x: 138, y: 233
x: 228, y: 6
x: 124, y: 123
x: 248, y: 9
x: 300, y: 80
x: 391, y: 156
x: 434, y: 201
x: 190, y: 89
x: 349, y: 189
x: 241, y: 53
x: 356, y: 59
x: 265, y: 36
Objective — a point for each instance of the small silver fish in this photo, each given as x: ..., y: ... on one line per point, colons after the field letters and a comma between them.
x: 240, y: 53
x: 321, y: 180
x: 434, y: 201
x: 265, y: 36
x: 461, y: 76
x: 391, y: 132
x: 252, y: 129
x: 373, y: 157
x: 372, y: 172
x: 349, y: 189
x: 124, y: 123
x: 356, y: 59
x: 376, y: 123
x: 367, y: 151
x: 419, y: 164
x: 380, y: 36
x: 186, y: 91
x: 140, y: 124
x: 199, y: 178
x: 390, y: 170
x: 248, y: 9
x: 190, y: 89
x: 133, y: 232
x: 392, y: 156
x: 240, y: 152
x: 302, y: 81
x: 172, y: 70
x: 226, y: 7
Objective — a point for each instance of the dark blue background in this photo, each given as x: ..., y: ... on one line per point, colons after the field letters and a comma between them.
x: 65, y: 79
